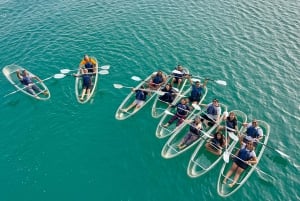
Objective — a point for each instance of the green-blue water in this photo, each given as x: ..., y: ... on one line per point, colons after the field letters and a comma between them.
x: 61, y: 150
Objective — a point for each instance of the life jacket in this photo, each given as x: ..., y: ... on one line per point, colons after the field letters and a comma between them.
x: 230, y: 123
x: 26, y: 80
x: 196, y: 92
x: 244, y: 154
x: 193, y: 129
x: 88, y: 65
x: 182, y: 110
x: 157, y: 79
x: 140, y: 95
x: 212, y: 110
x: 252, y: 131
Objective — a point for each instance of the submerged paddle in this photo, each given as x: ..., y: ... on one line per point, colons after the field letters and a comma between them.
x: 65, y: 71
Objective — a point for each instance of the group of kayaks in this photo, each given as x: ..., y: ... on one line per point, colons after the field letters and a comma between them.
x: 201, y: 161
x: 37, y: 89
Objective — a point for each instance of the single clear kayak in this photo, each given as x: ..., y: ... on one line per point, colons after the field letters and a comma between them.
x: 36, y: 89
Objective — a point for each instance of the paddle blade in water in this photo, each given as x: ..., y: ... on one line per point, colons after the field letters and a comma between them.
x: 106, y: 67
x: 221, y: 82
x: 136, y: 78
x: 118, y: 86
x: 59, y: 76
x: 64, y: 71
x: 103, y: 72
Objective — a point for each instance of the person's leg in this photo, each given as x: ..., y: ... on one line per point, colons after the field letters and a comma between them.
x: 236, y: 176
x: 229, y: 173
x: 83, y: 94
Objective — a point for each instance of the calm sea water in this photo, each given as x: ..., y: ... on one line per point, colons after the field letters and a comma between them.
x: 62, y: 150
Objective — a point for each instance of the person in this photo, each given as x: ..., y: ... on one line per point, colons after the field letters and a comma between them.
x: 140, y: 98
x: 253, y: 133
x: 242, y: 159
x: 213, y: 113
x: 197, y: 89
x: 169, y: 94
x: 86, y: 83
x: 30, y: 86
x: 88, y: 63
x: 182, y: 110
x: 230, y: 123
x: 178, y: 75
x: 216, y: 144
x: 193, y: 134
x: 157, y: 80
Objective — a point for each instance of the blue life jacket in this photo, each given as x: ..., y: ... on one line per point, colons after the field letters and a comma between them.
x: 212, y: 110
x: 89, y: 65
x: 182, y: 109
x: 26, y: 80
x: 252, y: 131
x: 140, y: 95
x: 244, y: 154
x: 157, y: 79
x: 196, y: 92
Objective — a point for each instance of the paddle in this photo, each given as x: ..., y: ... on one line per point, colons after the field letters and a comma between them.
x: 64, y: 71
x: 120, y: 86
x: 56, y: 76
x: 220, y: 82
x: 278, y: 151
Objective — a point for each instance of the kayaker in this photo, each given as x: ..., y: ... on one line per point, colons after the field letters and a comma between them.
x: 213, y: 113
x: 216, y: 144
x: 86, y: 83
x: 140, y: 98
x: 178, y: 75
x: 193, y: 134
x: 242, y: 159
x: 27, y: 81
x: 182, y: 110
x: 197, y: 89
x: 253, y: 133
x: 169, y: 95
x: 88, y: 63
x: 157, y: 80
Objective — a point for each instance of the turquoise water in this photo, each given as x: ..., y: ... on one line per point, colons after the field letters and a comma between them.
x: 62, y: 150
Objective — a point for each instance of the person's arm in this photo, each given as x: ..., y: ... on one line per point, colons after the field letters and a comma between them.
x: 19, y: 75
x: 205, y: 83
x: 36, y: 78
x: 190, y: 80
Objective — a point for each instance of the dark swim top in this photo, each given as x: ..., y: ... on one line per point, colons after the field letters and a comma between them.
x: 193, y: 129
x: 140, y: 95
x: 243, y: 154
x: 231, y: 123
x: 86, y: 79
x: 26, y: 80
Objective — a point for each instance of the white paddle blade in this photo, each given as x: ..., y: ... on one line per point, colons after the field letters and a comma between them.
x: 168, y: 112
x: 118, y: 86
x: 136, y: 78
x: 226, y: 156
x: 106, y: 67
x: 221, y: 82
x: 64, y: 71
x: 233, y: 136
x: 160, y: 93
x: 196, y: 107
x: 59, y: 76
x: 103, y: 72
